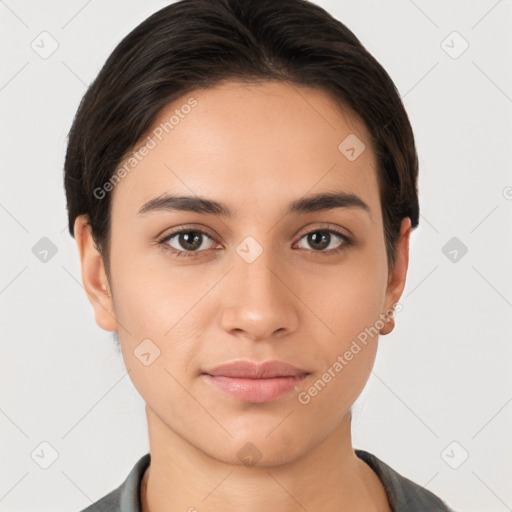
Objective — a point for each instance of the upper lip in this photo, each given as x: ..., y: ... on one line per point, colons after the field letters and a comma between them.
x: 253, y: 370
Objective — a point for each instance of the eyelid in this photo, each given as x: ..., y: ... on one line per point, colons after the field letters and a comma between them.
x: 328, y: 227
x: 186, y: 228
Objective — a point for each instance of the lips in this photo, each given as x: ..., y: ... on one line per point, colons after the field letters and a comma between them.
x: 250, y: 370
x: 255, y: 382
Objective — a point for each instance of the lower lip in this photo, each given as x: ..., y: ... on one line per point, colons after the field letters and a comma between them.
x: 255, y: 390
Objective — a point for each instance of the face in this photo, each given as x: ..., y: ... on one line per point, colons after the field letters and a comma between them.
x: 277, y: 255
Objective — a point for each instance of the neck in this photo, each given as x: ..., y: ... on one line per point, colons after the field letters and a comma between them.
x: 330, y: 477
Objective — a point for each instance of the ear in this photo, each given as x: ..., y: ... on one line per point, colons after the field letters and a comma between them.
x: 398, y: 274
x: 94, y: 276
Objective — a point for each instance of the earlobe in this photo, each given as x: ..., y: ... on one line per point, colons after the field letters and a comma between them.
x: 94, y: 277
x: 397, y: 276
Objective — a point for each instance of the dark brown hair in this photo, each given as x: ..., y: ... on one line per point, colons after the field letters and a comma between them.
x: 194, y: 44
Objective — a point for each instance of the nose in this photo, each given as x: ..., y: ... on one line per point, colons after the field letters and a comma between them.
x: 259, y: 302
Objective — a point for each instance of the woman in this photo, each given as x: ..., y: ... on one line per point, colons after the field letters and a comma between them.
x: 242, y: 183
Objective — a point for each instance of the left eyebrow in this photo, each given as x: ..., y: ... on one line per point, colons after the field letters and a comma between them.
x: 328, y: 201
x: 304, y: 205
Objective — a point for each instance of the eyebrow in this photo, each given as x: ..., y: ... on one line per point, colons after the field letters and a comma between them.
x: 304, y: 205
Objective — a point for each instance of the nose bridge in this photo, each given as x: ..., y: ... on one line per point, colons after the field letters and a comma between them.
x: 257, y: 273
x: 257, y: 302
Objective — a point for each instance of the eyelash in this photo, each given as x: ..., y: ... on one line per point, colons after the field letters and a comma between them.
x: 162, y: 242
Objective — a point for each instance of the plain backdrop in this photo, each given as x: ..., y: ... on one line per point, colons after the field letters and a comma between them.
x: 437, y: 407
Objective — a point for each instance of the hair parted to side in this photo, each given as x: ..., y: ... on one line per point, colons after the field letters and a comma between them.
x: 193, y: 44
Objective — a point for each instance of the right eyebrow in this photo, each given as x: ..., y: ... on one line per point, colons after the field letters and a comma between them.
x: 167, y: 202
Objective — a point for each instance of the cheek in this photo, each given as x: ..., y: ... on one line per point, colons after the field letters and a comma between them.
x: 149, y: 299
x: 349, y: 307
x: 352, y: 298
x: 349, y: 304
x: 159, y: 313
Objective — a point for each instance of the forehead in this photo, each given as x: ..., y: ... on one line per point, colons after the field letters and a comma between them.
x: 267, y: 141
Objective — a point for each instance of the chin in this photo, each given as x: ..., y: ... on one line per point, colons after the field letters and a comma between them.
x: 258, y: 448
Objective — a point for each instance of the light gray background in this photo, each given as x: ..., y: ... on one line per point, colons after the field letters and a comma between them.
x: 443, y: 375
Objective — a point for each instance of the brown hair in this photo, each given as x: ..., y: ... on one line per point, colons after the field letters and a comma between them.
x: 195, y: 44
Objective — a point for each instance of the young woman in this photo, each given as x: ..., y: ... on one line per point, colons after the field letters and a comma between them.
x: 241, y: 181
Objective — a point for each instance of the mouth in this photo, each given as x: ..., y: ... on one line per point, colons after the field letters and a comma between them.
x: 254, y: 382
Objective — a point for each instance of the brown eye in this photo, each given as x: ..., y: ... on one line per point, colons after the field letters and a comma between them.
x: 187, y: 241
x: 323, y: 239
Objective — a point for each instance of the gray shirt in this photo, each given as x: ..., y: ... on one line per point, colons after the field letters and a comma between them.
x: 403, y: 494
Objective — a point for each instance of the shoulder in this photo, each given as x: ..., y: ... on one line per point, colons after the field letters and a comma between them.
x: 126, y: 497
x: 403, y: 494
x: 109, y: 503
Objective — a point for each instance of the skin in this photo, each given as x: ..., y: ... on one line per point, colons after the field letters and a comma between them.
x: 255, y: 148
